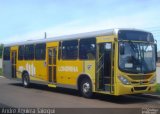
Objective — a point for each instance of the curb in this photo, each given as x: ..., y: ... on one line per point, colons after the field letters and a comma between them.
x: 1, y: 76
x: 153, y: 95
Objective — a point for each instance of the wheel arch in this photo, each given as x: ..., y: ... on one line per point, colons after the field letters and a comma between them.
x: 24, y: 73
x: 81, y: 77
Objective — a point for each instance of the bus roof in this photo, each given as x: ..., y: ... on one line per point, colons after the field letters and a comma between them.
x: 73, y: 36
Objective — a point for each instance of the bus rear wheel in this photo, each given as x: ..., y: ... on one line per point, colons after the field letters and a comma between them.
x: 25, y: 80
x: 86, y: 88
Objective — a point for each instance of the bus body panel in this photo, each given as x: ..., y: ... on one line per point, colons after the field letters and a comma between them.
x: 36, y: 69
x: 102, y: 39
x: 7, y: 68
x: 90, y: 70
x: 68, y: 71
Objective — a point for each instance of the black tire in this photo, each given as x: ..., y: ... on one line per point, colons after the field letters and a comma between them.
x: 26, y: 80
x: 86, y: 88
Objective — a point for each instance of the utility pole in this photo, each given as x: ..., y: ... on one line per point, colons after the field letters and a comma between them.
x: 45, y: 35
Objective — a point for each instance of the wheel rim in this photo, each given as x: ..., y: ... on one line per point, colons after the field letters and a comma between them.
x: 25, y: 81
x: 86, y: 87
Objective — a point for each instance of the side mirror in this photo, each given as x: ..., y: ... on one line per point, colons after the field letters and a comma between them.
x: 122, y: 49
x: 156, y: 55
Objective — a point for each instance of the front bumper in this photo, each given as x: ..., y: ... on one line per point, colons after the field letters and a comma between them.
x: 122, y: 89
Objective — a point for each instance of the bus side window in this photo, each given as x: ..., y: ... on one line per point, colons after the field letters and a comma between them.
x: 40, y: 51
x: 6, y: 53
x: 70, y: 50
x: 21, y: 52
x: 59, y: 51
x: 29, y: 52
x: 87, y: 49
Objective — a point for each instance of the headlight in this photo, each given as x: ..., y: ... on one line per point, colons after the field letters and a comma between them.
x: 124, y: 80
x: 153, y: 80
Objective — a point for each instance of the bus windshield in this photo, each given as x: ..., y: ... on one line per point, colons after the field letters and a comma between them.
x: 137, y: 57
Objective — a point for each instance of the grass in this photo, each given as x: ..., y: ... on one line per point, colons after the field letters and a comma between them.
x: 158, y: 88
x: 0, y: 71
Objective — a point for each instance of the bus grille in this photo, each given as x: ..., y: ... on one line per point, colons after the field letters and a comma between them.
x: 140, y: 88
x: 139, y: 82
x: 139, y: 77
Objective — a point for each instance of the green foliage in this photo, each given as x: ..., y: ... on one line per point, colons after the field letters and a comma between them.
x: 158, y: 88
x: 1, y: 48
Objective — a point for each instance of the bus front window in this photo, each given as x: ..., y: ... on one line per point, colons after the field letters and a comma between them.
x: 136, y: 57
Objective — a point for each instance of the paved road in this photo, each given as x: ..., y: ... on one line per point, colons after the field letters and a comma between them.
x: 13, y: 94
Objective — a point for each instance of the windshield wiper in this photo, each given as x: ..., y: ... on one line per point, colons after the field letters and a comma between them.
x: 137, y: 49
x: 133, y: 46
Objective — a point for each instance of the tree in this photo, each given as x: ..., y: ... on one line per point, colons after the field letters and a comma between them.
x: 1, y: 48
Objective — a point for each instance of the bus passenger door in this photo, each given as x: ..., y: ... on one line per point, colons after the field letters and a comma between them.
x: 14, y: 61
x: 104, y: 67
x: 52, y: 57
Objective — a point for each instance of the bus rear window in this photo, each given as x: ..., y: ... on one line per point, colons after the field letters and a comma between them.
x: 6, y: 53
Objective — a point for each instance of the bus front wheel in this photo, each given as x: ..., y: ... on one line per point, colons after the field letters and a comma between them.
x: 25, y: 80
x: 86, y: 88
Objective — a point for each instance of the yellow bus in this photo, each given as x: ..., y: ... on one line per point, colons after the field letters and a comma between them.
x: 113, y: 61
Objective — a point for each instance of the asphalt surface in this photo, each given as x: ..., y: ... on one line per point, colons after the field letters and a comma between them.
x: 13, y: 94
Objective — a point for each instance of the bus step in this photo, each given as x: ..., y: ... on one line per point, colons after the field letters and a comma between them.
x: 52, y: 85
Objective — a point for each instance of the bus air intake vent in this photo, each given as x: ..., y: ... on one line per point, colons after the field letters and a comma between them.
x: 139, y: 77
x: 140, y: 88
